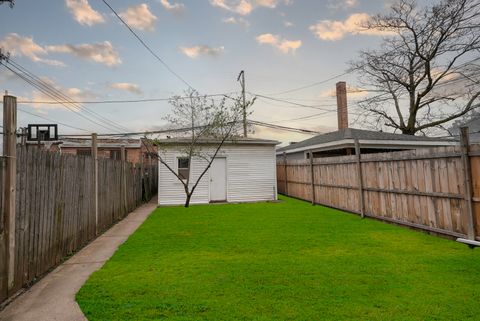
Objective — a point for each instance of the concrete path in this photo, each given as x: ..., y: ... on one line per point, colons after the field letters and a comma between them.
x: 53, y: 297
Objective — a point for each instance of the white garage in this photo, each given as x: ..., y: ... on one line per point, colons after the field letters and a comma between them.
x: 244, y: 170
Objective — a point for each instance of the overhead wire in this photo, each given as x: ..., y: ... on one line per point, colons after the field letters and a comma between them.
x: 286, y: 128
x: 320, y: 107
x: 53, y: 96
x: 123, y: 101
x: 144, y: 44
x: 64, y: 99
x: 50, y: 119
x: 311, y: 85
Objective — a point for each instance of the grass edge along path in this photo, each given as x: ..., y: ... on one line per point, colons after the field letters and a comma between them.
x: 282, y: 261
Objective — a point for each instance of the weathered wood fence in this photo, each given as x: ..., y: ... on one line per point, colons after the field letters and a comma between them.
x: 55, y: 206
x: 435, y: 189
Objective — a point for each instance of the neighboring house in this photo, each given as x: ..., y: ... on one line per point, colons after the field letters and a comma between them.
x: 135, y: 149
x: 243, y: 171
x: 342, y: 142
x: 473, y: 124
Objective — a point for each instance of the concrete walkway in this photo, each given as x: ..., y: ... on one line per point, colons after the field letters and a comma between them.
x: 53, y: 297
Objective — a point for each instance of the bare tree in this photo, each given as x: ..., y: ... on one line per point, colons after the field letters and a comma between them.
x: 10, y: 2
x: 426, y: 72
x: 210, y: 124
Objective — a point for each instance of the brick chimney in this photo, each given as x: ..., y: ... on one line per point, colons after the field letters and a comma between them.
x: 342, y: 111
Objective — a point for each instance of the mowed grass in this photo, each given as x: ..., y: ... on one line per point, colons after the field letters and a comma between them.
x: 282, y: 261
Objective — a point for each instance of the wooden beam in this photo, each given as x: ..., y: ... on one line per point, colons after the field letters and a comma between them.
x: 360, y: 178
x: 10, y: 152
x: 467, y: 174
x: 389, y: 191
x: 95, y: 178
x: 388, y: 158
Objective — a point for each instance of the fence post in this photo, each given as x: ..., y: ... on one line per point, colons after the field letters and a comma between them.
x: 312, y: 177
x: 285, y: 171
x: 124, y: 178
x: 467, y: 171
x: 142, y: 177
x: 23, y: 137
x: 360, y: 177
x: 95, y: 178
x: 10, y: 152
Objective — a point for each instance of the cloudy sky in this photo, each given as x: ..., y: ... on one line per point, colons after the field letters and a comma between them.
x: 80, y: 48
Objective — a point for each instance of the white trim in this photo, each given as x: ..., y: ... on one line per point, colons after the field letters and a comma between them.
x: 175, y: 166
x: 374, y: 142
x: 275, y: 185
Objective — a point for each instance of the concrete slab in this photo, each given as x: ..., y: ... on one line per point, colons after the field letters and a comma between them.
x: 53, y: 297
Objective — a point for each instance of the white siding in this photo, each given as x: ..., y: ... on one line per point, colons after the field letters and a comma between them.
x: 250, y: 176
x: 170, y: 189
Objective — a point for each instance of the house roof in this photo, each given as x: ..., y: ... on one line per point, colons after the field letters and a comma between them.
x: 348, y: 135
x: 101, y: 143
x: 242, y: 140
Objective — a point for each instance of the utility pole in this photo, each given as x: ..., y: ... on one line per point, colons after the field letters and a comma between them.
x: 241, y: 79
x: 7, y: 230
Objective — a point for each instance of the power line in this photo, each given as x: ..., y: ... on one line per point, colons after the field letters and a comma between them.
x: 56, y: 95
x: 144, y: 133
x: 49, y: 119
x: 302, y: 118
x: 312, y: 85
x: 293, y: 103
x: 32, y: 83
x: 122, y: 101
x: 293, y: 129
x: 147, y: 47
x: 59, y: 95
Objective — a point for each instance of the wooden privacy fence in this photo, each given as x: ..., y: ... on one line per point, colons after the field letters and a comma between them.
x: 55, y: 207
x: 435, y: 189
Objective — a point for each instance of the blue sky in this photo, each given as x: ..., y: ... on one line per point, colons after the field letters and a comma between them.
x: 82, y: 49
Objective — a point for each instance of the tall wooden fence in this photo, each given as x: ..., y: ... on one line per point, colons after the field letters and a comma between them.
x: 55, y: 207
x: 425, y: 188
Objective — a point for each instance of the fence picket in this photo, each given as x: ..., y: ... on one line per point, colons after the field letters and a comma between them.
x: 54, y: 210
x: 423, y: 188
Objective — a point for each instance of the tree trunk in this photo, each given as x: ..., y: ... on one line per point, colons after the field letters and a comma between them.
x: 408, y: 131
x: 187, y: 201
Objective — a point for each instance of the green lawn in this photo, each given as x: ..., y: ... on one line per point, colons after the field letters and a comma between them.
x: 282, y: 261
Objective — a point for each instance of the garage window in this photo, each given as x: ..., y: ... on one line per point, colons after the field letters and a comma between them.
x: 183, y: 167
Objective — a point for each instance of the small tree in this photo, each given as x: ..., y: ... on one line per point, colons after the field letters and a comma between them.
x: 426, y: 72
x: 206, y: 125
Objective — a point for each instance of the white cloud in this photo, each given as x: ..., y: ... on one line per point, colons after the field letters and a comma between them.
x: 140, y: 17
x: 102, y: 52
x: 236, y: 21
x: 174, y: 6
x: 83, y: 13
x: 288, y: 24
x: 285, y: 46
x: 25, y: 46
x: 335, y: 30
x: 133, y: 88
x: 341, y: 4
x: 201, y: 50
x: 74, y: 93
x: 243, y: 7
